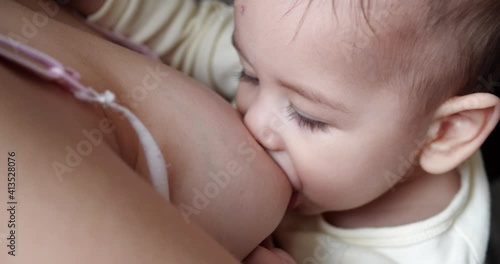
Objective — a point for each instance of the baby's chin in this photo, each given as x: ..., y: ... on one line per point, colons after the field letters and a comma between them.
x: 301, y: 205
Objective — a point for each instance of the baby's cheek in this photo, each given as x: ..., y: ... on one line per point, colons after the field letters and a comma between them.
x: 338, y: 180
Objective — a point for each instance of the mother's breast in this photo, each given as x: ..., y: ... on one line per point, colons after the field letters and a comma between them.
x: 220, y: 177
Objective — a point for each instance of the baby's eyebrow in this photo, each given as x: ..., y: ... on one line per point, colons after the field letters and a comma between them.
x: 314, y: 97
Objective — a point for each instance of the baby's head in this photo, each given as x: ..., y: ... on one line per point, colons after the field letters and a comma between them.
x: 351, y: 97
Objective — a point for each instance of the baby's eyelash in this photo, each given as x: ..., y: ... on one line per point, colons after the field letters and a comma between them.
x: 292, y: 114
x: 244, y: 77
x: 305, y: 122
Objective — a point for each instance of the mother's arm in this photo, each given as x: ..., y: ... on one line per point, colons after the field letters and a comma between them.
x: 103, y: 206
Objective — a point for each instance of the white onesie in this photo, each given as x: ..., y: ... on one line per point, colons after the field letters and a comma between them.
x: 457, y: 235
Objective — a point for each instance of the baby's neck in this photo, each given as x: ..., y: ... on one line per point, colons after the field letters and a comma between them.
x: 421, y: 196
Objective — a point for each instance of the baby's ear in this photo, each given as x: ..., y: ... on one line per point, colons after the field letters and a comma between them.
x: 460, y: 126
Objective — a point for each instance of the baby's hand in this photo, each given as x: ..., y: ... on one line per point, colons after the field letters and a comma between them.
x: 262, y: 255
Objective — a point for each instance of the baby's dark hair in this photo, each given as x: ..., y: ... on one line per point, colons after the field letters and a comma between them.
x: 469, y: 32
x: 444, y: 49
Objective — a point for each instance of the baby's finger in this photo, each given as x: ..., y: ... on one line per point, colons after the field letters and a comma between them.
x: 265, y: 256
x: 283, y: 256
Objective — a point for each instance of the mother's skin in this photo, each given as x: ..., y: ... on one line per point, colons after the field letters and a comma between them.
x: 102, y: 211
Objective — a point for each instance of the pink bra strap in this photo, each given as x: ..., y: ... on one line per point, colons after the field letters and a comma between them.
x: 50, y: 69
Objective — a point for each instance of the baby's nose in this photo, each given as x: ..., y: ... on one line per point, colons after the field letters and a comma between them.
x: 270, y: 139
x: 265, y: 126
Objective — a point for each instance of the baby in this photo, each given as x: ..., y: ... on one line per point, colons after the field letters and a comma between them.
x: 374, y: 109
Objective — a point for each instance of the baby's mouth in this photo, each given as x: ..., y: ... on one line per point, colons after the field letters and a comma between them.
x: 294, y: 200
x: 282, y: 159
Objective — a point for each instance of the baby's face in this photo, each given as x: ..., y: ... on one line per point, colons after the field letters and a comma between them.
x: 337, y: 131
